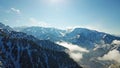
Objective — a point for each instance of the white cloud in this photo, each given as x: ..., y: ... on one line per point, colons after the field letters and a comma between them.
x: 116, y: 42
x: 76, y: 52
x: 16, y: 10
x: 72, y: 47
x: 76, y: 56
x: 35, y: 22
x: 113, y: 55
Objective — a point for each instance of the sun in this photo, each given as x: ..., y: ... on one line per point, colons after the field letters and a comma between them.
x: 57, y: 1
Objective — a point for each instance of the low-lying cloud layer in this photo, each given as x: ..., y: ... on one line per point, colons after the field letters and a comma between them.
x: 113, y: 55
x: 76, y: 52
x: 116, y: 42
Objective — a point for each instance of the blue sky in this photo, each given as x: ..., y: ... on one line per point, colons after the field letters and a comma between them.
x: 102, y: 15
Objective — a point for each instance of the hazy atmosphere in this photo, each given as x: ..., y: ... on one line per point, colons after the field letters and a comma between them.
x: 102, y: 15
x: 59, y: 33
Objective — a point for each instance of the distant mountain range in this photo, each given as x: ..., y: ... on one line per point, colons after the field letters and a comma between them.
x: 79, y: 36
x: 19, y: 50
x: 99, y: 44
x: 40, y: 47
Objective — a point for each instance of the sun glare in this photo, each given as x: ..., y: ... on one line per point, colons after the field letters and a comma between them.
x: 57, y: 1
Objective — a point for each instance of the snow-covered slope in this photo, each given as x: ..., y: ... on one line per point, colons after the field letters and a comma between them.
x: 79, y: 36
x: 102, y: 56
x: 89, y: 38
x: 42, y: 33
x: 19, y: 50
x: 98, y: 43
x: 2, y: 26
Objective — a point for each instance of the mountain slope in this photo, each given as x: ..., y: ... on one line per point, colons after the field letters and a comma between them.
x: 79, y: 36
x: 97, y: 43
x: 42, y: 33
x: 18, y: 50
x: 89, y: 38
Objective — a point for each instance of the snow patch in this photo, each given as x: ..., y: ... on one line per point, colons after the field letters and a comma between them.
x: 104, y: 36
x: 63, y: 34
x: 96, y: 47
x: 78, y: 36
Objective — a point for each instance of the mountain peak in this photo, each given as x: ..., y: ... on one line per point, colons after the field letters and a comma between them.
x: 2, y: 26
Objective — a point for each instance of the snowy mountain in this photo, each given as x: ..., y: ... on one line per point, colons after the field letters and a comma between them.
x: 79, y: 36
x: 102, y: 56
x: 97, y: 46
x: 88, y: 38
x: 42, y: 33
x: 2, y: 26
x: 19, y: 50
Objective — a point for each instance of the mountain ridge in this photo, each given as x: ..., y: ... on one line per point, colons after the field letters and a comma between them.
x: 86, y: 47
x: 19, y: 50
x: 88, y: 37
x: 97, y: 43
